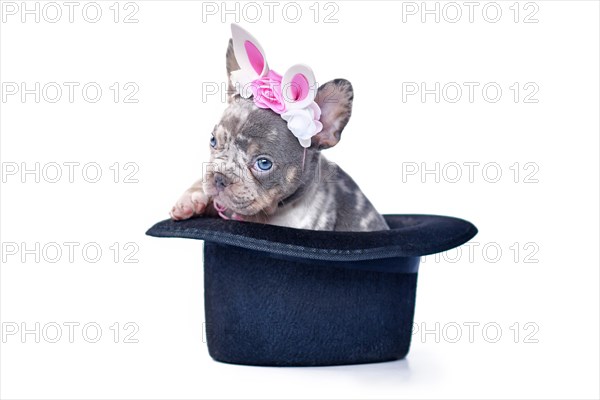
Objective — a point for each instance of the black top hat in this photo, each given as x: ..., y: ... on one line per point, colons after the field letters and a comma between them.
x: 291, y: 297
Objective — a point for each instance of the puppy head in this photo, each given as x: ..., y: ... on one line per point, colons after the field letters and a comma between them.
x: 256, y: 162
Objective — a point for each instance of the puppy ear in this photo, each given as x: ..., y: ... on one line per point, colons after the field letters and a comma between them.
x: 335, y: 100
x: 232, y: 65
x: 248, y: 52
x: 298, y: 87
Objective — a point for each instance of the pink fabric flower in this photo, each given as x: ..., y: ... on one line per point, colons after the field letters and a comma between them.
x: 267, y: 92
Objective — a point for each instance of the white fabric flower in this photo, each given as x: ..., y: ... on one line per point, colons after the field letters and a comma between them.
x: 304, y: 122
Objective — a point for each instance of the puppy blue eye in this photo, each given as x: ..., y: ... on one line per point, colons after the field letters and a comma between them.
x: 213, y: 142
x: 264, y: 164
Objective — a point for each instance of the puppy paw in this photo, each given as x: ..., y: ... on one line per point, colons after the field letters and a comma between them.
x: 191, y: 203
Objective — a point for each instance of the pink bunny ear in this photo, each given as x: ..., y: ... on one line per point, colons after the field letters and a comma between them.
x: 248, y: 52
x: 298, y: 86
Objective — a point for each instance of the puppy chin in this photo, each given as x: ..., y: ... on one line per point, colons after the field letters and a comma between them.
x: 256, y: 208
x: 229, y: 203
x: 250, y: 210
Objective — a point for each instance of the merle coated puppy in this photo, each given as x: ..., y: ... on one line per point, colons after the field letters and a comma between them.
x: 265, y: 169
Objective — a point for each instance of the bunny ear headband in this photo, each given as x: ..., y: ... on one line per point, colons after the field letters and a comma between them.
x: 291, y: 96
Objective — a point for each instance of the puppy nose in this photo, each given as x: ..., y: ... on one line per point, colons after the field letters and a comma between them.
x: 221, y: 181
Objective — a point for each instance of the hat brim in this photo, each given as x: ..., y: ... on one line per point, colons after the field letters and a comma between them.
x: 409, y: 236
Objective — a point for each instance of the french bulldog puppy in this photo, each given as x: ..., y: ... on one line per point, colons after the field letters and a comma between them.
x: 259, y: 172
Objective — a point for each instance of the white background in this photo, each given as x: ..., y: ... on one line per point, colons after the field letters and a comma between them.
x: 169, y: 53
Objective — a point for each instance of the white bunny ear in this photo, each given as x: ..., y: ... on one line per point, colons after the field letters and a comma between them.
x: 248, y: 52
x: 298, y: 87
x: 302, y: 114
